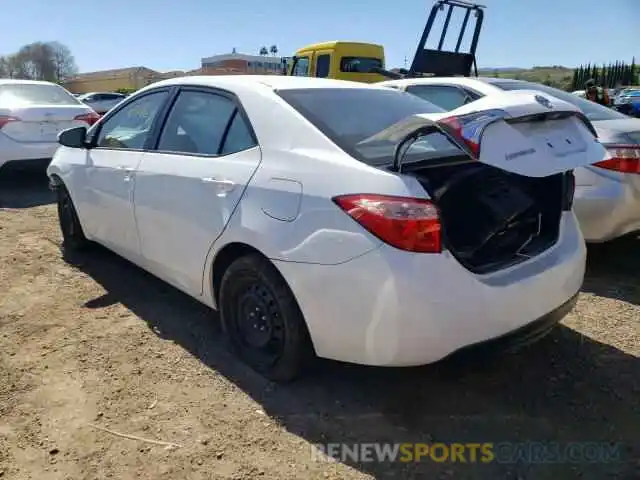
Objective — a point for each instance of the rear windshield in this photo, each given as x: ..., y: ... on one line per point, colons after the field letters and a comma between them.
x: 35, y: 94
x: 592, y: 110
x: 359, y: 64
x: 350, y: 115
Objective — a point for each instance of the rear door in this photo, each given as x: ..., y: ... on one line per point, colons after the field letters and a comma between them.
x: 187, y: 189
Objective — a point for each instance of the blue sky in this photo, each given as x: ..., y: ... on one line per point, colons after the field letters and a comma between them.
x: 170, y: 34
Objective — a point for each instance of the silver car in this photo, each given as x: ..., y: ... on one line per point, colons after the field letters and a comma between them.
x: 607, y: 197
x: 102, y: 102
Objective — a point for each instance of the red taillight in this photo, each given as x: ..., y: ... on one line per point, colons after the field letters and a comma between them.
x: 456, y: 129
x: 468, y: 129
x: 411, y: 224
x: 90, y: 118
x: 4, y: 119
x: 624, y: 159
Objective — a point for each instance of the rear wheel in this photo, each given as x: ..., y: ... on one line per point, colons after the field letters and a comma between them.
x: 73, y: 239
x: 262, y: 320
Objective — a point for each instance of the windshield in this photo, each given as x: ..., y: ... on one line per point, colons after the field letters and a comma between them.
x: 349, y: 116
x: 592, y: 110
x: 35, y: 94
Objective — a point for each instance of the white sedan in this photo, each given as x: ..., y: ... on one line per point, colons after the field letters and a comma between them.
x: 32, y: 113
x: 336, y: 219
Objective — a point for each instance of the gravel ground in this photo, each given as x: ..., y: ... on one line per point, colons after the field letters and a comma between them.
x: 103, y: 345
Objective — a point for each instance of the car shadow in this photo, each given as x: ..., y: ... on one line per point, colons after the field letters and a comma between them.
x: 613, y: 270
x: 24, y: 188
x: 566, y: 388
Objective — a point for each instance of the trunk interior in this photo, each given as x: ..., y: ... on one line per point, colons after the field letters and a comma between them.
x: 492, y: 219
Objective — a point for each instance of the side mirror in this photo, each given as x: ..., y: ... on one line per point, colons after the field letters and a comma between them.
x: 73, y: 137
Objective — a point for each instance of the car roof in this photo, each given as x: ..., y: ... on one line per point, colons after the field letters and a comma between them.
x: 275, y: 82
x: 455, y: 80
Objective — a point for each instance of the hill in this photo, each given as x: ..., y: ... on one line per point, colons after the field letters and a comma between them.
x: 556, y: 75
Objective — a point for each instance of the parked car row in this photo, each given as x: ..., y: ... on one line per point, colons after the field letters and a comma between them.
x: 325, y: 218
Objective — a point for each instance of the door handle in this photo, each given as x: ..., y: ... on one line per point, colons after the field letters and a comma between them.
x: 127, y: 172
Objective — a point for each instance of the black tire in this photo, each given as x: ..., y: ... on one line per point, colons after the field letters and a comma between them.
x: 262, y: 320
x: 73, y: 239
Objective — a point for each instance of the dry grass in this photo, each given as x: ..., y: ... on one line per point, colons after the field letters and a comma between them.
x: 103, y: 343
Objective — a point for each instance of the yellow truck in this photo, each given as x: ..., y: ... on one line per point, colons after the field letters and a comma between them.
x: 365, y: 62
x: 353, y: 61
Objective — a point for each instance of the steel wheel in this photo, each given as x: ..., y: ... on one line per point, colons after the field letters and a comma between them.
x: 262, y: 320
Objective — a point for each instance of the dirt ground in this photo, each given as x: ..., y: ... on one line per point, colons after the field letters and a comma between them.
x: 103, y: 345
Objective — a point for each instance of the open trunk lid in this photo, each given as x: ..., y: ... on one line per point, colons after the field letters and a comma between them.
x: 522, y: 132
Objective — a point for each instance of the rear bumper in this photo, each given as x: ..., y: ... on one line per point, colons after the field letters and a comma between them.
x: 393, y: 308
x: 522, y: 336
x: 606, y: 204
x: 12, y: 151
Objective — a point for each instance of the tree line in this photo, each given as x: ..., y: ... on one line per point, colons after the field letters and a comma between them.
x: 50, y: 61
x: 617, y: 74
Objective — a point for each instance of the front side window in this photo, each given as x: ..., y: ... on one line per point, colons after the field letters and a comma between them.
x: 26, y: 94
x: 301, y: 67
x: 350, y: 116
x: 206, y: 124
x: 359, y: 64
x: 445, y: 97
x: 130, y: 127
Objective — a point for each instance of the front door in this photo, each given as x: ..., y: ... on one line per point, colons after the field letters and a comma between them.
x: 188, y: 188
x: 107, y: 196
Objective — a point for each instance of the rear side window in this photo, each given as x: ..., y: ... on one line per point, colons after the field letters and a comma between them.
x: 445, y: 97
x: 350, y: 116
x: 199, y: 122
x: 238, y: 137
x: 323, y: 63
x: 35, y: 94
x: 359, y: 64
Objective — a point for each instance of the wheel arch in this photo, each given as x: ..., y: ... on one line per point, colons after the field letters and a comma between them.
x: 223, y: 259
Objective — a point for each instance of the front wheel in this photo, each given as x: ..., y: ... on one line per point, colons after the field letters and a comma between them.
x: 73, y: 239
x: 262, y: 320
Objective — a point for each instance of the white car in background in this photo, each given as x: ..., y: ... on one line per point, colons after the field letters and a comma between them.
x: 607, y: 199
x: 337, y: 219
x: 32, y: 113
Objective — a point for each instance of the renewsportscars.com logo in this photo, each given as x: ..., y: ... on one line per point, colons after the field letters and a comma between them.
x: 501, y: 452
